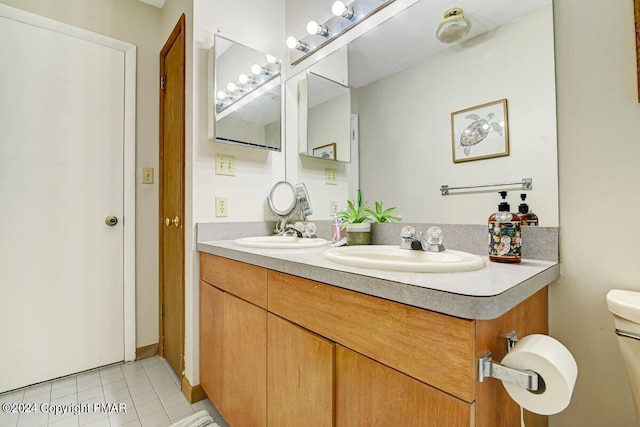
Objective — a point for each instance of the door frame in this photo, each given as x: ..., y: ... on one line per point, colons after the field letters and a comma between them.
x: 129, y: 152
x: 180, y: 28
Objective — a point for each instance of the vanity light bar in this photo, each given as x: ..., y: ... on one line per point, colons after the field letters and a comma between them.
x: 247, y: 83
x: 344, y: 17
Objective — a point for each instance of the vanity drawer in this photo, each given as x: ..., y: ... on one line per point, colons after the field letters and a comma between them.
x: 242, y: 280
x: 431, y: 347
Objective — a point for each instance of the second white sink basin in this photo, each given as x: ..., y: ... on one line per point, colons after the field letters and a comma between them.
x: 280, y: 242
x: 382, y: 257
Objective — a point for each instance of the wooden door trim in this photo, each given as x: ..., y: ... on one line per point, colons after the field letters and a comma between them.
x: 180, y: 28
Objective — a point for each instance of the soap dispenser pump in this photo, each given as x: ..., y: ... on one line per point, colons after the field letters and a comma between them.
x: 526, y: 217
x: 504, y: 234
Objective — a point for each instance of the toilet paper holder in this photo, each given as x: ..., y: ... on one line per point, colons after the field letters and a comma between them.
x: 525, y: 378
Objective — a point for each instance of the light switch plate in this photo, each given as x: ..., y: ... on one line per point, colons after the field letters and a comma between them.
x: 330, y: 176
x: 147, y: 175
x: 225, y: 165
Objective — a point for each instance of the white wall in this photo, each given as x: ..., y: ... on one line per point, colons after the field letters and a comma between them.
x: 259, y: 25
x: 405, y: 127
x: 136, y: 23
x: 327, y: 124
x: 598, y: 128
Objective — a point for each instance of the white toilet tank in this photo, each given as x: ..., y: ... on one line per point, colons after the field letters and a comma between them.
x: 625, y: 306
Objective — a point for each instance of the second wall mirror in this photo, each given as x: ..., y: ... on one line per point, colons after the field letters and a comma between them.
x: 328, y: 118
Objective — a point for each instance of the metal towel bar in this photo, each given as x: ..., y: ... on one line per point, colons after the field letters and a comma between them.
x: 527, y: 184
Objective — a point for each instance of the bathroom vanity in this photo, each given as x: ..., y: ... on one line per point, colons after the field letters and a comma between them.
x: 288, y: 338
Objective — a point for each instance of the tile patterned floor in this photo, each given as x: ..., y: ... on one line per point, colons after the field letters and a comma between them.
x: 149, y: 389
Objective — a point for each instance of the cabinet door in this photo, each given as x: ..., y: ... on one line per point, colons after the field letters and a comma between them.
x: 211, y: 309
x: 300, y: 376
x: 244, y: 390
x: 371, y: 394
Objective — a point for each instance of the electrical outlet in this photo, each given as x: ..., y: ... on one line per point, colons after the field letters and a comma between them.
x: 333, y: 208
x: 147, y: 175
x: 330, y: 176
x: 225, y: 165
x: 222, y: 207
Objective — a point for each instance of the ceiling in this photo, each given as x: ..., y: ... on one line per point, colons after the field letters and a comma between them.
x: 409, y: 36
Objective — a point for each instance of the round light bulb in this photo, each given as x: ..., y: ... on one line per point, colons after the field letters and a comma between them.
x: 243, y: 78
x: 256, y: 69
x: 292, y: 42
x: 271, y: 59
x: 341, y: 9
x: 338, y: 8
x: 313, y: 27
x: 221, y: 95
x: 231, y: 87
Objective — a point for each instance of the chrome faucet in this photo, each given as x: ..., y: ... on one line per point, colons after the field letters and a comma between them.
x: 431, y: 241
x: 299, y: 229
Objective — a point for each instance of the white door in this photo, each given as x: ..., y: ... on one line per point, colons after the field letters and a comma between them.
x: 62, y: 134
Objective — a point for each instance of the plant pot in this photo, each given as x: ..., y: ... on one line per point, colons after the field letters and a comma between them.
x: 359, y: 234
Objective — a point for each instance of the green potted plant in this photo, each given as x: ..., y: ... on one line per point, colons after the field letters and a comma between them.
x: 355, y: 219
x: 382, y: 215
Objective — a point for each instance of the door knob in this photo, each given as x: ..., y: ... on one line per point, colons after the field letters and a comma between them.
x: 111, y: 220
x: 175, y: 221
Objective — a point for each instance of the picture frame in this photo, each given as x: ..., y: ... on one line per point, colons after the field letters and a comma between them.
x: 327, y: 151
x: 636, y: 10
x: 480, y: 132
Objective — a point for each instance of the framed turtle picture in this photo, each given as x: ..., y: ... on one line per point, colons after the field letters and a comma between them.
x: 480, y: 132
x: 326, y: 151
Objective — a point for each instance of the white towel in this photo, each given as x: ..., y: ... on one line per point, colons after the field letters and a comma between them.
x: 200, y: 419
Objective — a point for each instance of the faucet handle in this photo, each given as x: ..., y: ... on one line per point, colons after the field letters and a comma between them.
x: 309, y: 230
x: 407, y: 232
x: 434, y: 236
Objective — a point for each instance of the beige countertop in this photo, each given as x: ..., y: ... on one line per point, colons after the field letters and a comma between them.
x: 482, y: 294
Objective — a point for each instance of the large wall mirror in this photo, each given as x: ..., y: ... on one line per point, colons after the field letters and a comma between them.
x: 405, y: 85
x: 245, y: 96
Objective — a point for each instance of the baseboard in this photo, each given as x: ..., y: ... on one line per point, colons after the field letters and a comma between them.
x: 192, y: 393
x: 146, y: 351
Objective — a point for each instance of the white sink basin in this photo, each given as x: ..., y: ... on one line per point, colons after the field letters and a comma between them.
x: 381, y: 257
x: 280, y: 242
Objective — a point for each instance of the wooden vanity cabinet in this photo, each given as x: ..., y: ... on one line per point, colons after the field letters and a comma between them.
x: 287, y: 351
x: 233, y: 340
x: 369, y: 393
x: 211, y: 337
x: 300, y: 376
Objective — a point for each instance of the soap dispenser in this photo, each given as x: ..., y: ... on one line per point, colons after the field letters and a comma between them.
x: 526, y: 217
x: 504, y: 234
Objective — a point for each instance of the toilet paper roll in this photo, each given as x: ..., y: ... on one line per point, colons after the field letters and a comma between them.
x: 554, y: 363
